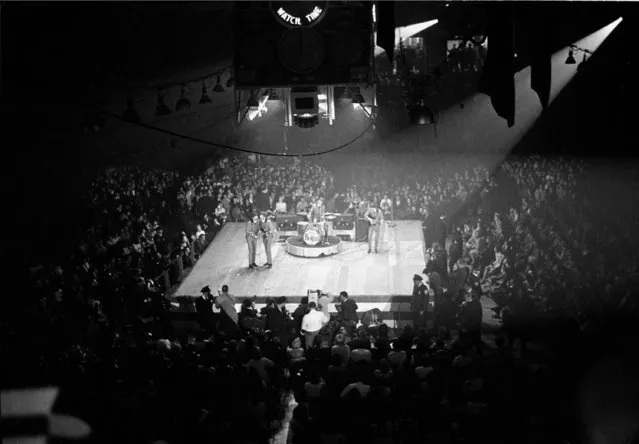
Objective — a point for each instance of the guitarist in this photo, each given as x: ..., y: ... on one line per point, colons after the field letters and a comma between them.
x: 375, y: 217
x: 252, y: 230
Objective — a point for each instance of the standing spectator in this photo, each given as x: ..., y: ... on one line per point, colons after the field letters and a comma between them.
x: 228, y: 315
x: 277, y: 321
x: 312, y: 323
x: 348, y: 309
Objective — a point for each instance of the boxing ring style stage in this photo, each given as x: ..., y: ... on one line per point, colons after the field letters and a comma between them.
x: 382, y: 280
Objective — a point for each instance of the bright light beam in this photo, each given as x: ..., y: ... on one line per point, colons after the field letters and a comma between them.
x: 476, y: 128
x: 404, y: 32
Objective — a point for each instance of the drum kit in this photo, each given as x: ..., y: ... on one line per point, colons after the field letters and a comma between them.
x: 322, y: 229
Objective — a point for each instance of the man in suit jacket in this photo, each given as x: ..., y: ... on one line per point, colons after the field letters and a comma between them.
x: 204, y: 307
x: 252, y: 234
x: 421, y: 302
x: 277, y: 321
x: 348, y: 308
x: 267, y: 230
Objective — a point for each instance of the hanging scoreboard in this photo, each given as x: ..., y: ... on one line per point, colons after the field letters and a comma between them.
x: 299, y: 43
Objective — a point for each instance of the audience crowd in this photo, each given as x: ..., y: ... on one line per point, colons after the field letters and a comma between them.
x: 537, y: 235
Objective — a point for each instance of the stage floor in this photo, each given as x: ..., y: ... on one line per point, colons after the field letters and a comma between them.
x: 367, y: 277
x: 383, y: 280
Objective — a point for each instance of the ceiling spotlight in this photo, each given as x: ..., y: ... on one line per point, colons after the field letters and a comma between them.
x: 162, y: 109
x: 583, y: 65
x: 218, y: 88
x: 346, y: 95
x: 273, y: 95
x: 130, y: 114
x: 205, y: 97
x: 421, y: 114
x: 571, y: 58
x: 184, y: 104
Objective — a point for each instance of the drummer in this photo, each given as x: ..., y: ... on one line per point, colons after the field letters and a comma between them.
x: 316, y: 213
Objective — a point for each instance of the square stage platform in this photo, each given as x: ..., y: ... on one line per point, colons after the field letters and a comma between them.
x: 374, y: 280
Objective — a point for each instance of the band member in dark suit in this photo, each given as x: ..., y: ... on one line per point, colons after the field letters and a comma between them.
x: 267, y: 231
x: 420, y: 303
x: 375, y: 218
x: 204, y: 307
x: 277, y: 321
x: 252, y: 234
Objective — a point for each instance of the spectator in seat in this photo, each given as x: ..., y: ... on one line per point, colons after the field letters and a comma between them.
x: 280, y: 206
x: 277, y: 321
x: 296, y: 351
x: 260, y: 364
x: 199, y: 246
x: 341, y: 349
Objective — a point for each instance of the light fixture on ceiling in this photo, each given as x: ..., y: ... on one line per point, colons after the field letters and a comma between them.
x: 272, y: 95
x: 570, y: 60
x: 346, y: 95
x: 183, y: 104
x: 253, y: 104
x: 162, y: 109
x: 205, y: 97
x: 420, y: 114
x: 218, y: 88
x: 130, y: 114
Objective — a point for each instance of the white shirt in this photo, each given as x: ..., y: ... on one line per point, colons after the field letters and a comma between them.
x: 314, y: 321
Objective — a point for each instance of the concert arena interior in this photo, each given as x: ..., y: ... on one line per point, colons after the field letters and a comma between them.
x: 314, y: 222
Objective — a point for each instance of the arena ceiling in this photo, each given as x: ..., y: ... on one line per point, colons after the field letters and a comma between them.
x: 62, y: 55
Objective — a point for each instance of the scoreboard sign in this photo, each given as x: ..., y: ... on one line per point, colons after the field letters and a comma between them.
x: 300, y: 13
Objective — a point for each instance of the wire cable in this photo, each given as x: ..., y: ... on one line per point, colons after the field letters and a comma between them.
x: 234, y: 148
x: 166, y: 85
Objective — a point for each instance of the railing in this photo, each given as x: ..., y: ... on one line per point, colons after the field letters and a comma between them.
x: 167, y: 279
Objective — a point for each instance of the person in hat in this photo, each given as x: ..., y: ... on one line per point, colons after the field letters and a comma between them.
x: 420, y: 302
x: 277, y: 321
x: 204, y: 307
x: 267, y: 229
x: 252, y: 234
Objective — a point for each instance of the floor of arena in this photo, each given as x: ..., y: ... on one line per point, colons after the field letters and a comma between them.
x: 383, y: 280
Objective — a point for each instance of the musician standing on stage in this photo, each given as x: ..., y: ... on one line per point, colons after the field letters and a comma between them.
x: 267, y: 231
x: 375, y: 218
x: 252, y: 233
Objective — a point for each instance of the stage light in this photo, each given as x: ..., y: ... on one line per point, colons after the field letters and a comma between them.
x: 205, y: 97
x: 183, y: 104
x: 130, y: 114
x: 358, y: 98
x: 218, y: 88
x: 583, y: 65
x: 272, y: 95
x: 421, y: 114
x: 162, y: 109
x: 346, y: 95
x: 570, y: 60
